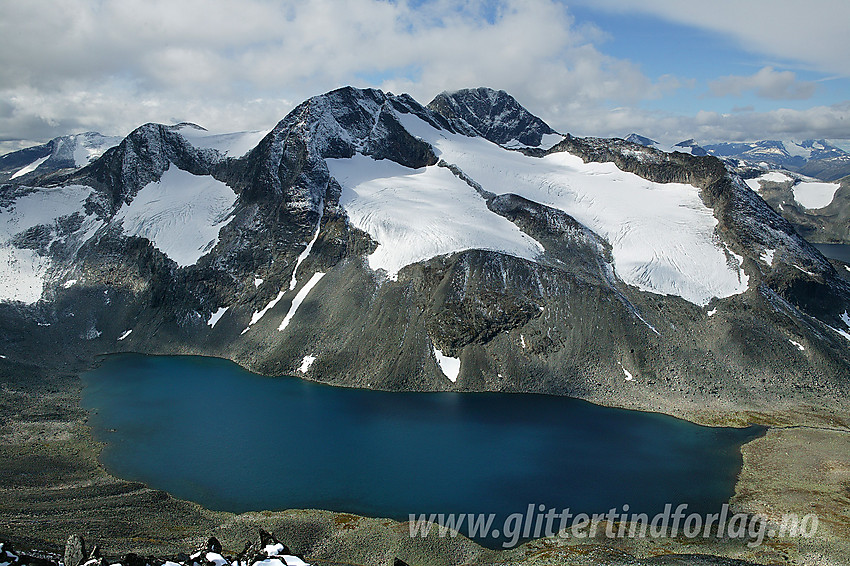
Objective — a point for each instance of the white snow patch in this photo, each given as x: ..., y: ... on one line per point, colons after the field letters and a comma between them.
x: 217, y: 559
x: 255, y: 318
x: 662, y: 235
x: 796, y: 150
x: 814, y: 195
x: 181, y: 214
x: 448, y: 365
x: 770, y: 177
x: 2, y: 356
x: 799, y: 346
x: 846, y: 318
x: 303, y: 255
x: 234, y: 144
x: 23, y: 271
x: 546, y: 141
x: 522, y: 340
x: 629, y: 376
x: 417, y: 214
x: 809, y: 273
x: 273, y: 549
x: 216, y: 316
x: 306, y: 362
x: 293, y: 560
x: 258, y: 281
x: 767, y: 256
x: 299, y: 298
x: 69, y: 283
x: 847, y: 267
x: 712, y: 312
x: 29, y: 168
x: 125, y: 334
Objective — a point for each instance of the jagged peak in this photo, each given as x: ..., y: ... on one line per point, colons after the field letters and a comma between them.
x: 492, y: 114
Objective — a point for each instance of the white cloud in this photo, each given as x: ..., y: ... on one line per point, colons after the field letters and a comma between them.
x: 112, y: 65
x: 766, y: 83
x: 813, y: 33
x: 831, y: 122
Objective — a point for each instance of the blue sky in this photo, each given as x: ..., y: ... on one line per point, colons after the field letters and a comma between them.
x: 671, y: 70
x: 663, y: 47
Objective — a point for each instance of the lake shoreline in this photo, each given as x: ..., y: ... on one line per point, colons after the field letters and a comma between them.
x: 53, y: 485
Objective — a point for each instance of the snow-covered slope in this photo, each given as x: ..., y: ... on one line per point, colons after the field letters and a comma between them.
x: 417, y: 214
x: 662, y: 235
x: 814, y: 195
x: 181, y: 214
x: 28, y: 227
x: 235, y: 144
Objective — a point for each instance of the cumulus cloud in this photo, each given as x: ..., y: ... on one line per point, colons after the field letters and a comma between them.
x: 112, y: 65
x: 766, y: 83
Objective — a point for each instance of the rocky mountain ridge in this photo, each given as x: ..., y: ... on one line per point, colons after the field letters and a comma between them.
x: 812, y: 158
x: 332, y: 241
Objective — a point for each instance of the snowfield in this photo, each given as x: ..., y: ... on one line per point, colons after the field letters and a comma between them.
x: 448, y: 365
x: 234, y: 144
x: 181, y: 214
x: 29, y: 168
x: 814, y: 195
x: 662, y: 235
x: 770, y: 177
x: 417, y: 214
x: 23, y: 271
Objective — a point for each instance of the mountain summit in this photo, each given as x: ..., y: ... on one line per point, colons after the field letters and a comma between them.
x: 494, y: 115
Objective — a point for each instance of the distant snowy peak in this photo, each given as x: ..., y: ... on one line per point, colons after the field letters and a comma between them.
x: 494, y: 115
x: 690, y: 146
x: 642, y: 140
x: 815, y: 158
x: 65, y: 152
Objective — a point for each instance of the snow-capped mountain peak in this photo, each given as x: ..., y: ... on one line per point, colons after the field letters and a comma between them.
x: 496, y: 116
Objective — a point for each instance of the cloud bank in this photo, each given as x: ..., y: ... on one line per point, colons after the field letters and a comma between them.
x: 111, y: 65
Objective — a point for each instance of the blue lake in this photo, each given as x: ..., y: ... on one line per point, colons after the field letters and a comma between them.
x: 205, y: 430
x: 840, y: 252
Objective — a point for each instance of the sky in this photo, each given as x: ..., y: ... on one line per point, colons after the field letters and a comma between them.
x: 671, y: 70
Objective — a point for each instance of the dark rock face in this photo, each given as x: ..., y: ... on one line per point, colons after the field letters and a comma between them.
x: 142, y: 158
x: 288, y: 163
x: 494, y: 115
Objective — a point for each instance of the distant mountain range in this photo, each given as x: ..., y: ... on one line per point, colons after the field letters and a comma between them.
x: 369, y: 240
x: 65, y: 152
x: 813, y: 158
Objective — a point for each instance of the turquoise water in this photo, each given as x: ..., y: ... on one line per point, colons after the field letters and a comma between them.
x: 205, y: 430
